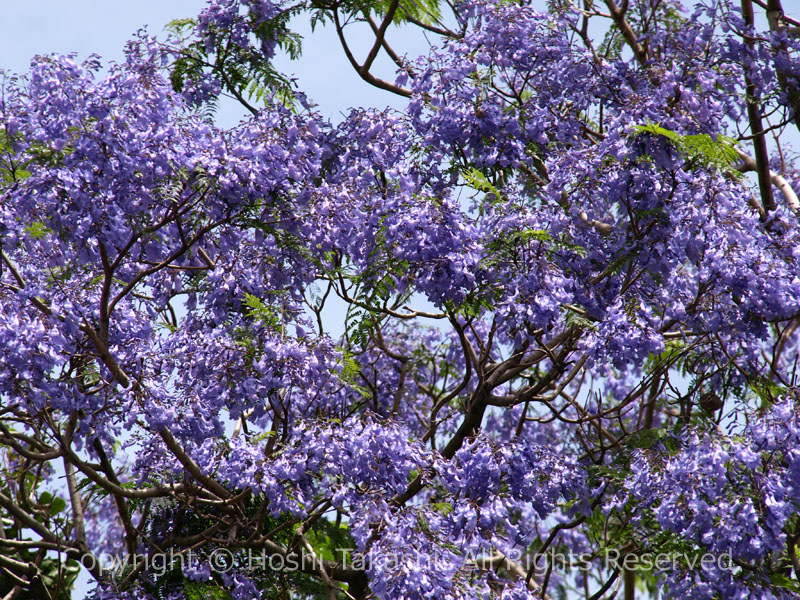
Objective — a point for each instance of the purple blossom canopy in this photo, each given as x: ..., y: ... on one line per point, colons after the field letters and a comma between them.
x: 535, y: 335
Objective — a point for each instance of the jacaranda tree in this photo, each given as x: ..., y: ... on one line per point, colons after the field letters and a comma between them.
x: 533, y: 336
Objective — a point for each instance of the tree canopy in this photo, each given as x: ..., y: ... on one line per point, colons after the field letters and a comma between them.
x: 533, y: 336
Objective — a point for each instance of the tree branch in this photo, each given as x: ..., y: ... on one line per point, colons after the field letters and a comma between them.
x: 191, y: 466
x: 364, y: 72
x: 380, y: 34
x: 749, y: 164
x: 754, y: 117
x: 618, y: 15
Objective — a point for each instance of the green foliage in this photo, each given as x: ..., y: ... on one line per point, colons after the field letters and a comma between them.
x: 10, y: 170
x: 350, y: 368
x: 423, y: 11
x: 38, y: 230
x: 262, y: 312
x: 443, y: 507
x: 56, y: 578
x: 647, y: 438
x: 358, y: 323
x: 719, y: 153
x: 563, y: 243
x: 784, y: 582
x: 330, y: 540
x: 56, y: 575
x: 477, y: 180
x: 374, y: 289
x: 766, y: 391
x: 350, y: 372
x: 47, y: 156
x: 327, y: 539
x: 474, y: 304
x: 426, y: 11
x: 198, y: 590
x: 56, y: 503
x: 506, y: 247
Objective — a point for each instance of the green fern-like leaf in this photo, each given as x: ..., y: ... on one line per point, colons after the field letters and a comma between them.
x: 719, y: 152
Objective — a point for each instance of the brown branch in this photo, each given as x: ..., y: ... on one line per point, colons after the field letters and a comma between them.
x: 185, y: 246
x: 481, y: 398
x: 10, y: 438
x: 756, y: 126
x: 380, y: 35
x: 387, y: 48
x: 105, y: 293
x: 28, y: 521
x: 604, y: 588
x: 500, y: 560
x: 601, y: 227
x: 618, y: 15
x: 91, y: 473
x: 364, y: 72
x: 119, y: 500
x: 78, y: 521
x: 191, y: 466
x: 17, y: 566
x: 432, y: 28
x: 13, y: 268
x: 105, y: 356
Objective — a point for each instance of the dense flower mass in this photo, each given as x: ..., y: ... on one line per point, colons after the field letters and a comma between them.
x: 731, y: 496
x: 544, y: 316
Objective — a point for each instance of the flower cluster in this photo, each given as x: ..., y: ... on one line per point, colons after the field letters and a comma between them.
x: 515, y: 317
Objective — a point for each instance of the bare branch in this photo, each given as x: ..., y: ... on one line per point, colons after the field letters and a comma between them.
x: 618, y: 15
x: 749, y: 164
x: 361, y: 70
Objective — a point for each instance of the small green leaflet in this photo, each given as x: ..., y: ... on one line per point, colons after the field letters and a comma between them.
x: 477, y: 180
x: 38, y: 230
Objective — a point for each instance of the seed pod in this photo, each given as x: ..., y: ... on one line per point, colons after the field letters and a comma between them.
x: 710, y: 402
